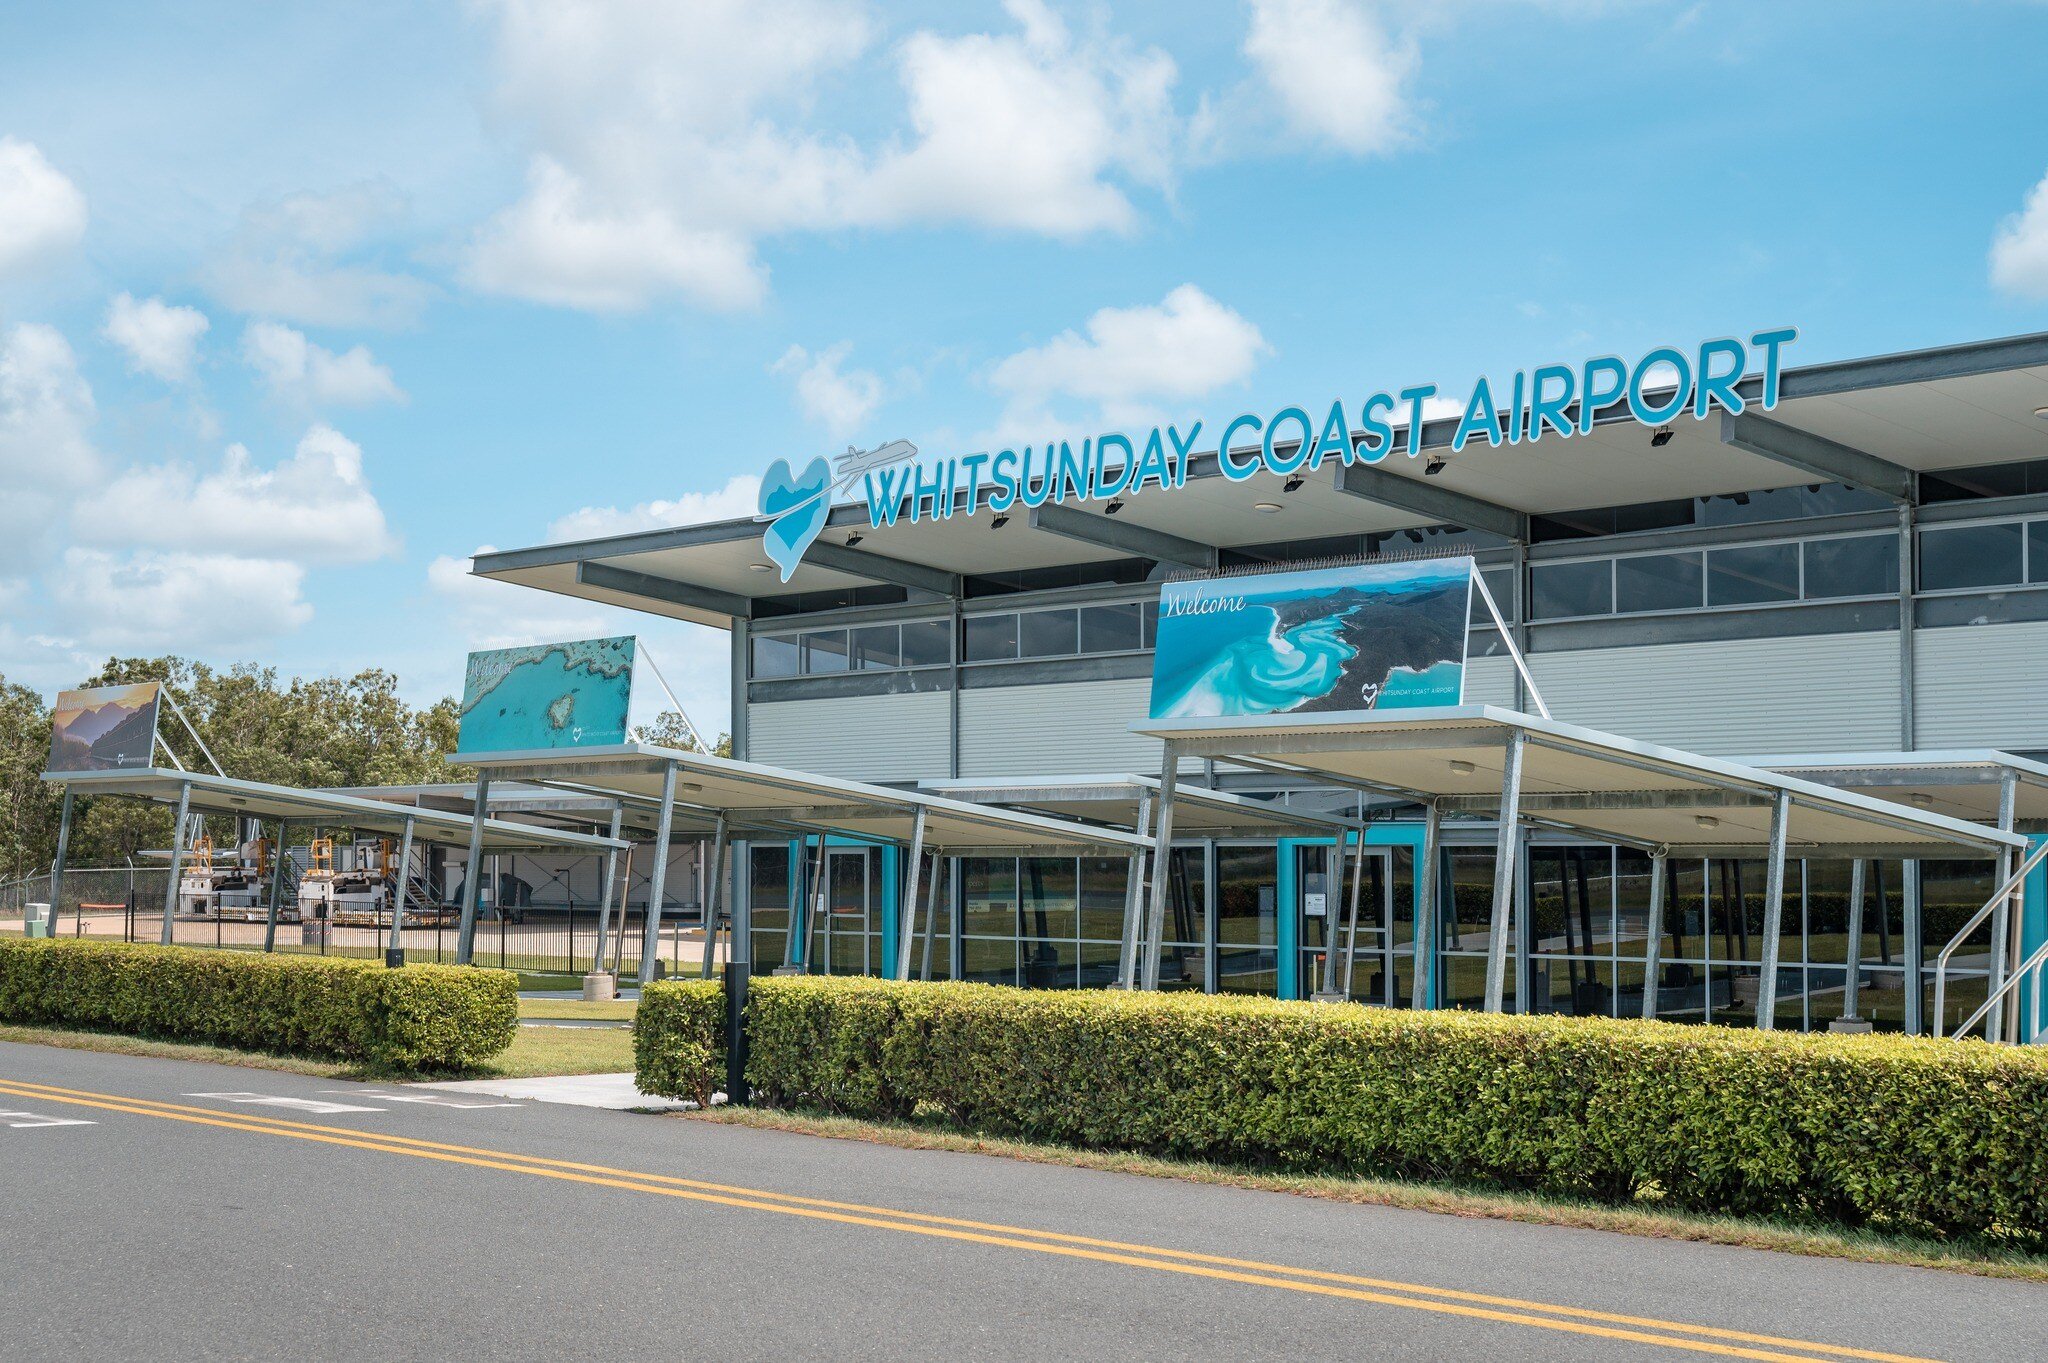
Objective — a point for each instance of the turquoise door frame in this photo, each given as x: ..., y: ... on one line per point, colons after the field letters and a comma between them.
x: 1288, y: 902
x: 798, y: 950
x: 2033, y: 931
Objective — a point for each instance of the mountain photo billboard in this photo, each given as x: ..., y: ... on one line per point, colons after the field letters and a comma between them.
x: 105, y: 728
x: 1370, y: 636
x: 573, y: 695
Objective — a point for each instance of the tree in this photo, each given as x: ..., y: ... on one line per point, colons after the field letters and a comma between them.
x: 670, y: 729
x: 29, y: 805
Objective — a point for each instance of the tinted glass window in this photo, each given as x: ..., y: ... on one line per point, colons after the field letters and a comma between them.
x: 1657, y: 582
x: 825, y: 651
x: 1971, y: 556
x: 1151, y: 610
x: 1112, y: 629
x: 991, y: 636
x: 876, y: 646
x: 1758, y: 573
x: 1046, y: 634
x: 928, y: 643
x: 2037, y: 551
x: 1862, y: 565
x: 775, y: 657
x: 1561, y: 589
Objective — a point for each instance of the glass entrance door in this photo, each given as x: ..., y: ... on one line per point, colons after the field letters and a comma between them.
x: 849, y: 913
x: 1379, y: 972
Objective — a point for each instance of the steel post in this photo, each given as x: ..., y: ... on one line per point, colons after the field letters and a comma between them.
x: 394, y: 954
x: 2004, y: 951
x: 1351, y: 919
x: 1505, y: 872
x: 611, y: 881
x: 1774, y: 914
x: 650, y: 942
x: 57, y: 866
x: 713, y: 877
x: 282, y: 850
x: 1134, y: 901
x: 473, y: 872
x: 739, y: 971
x: 1852, y: 980
x: 177, y: 858
x: 1653, y: 951
x: 906, y: 914
x: 1427, y: 934
x: 1162, y: 866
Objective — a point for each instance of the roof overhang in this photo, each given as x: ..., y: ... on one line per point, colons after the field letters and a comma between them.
x: 1121, y: 801
x: 1579, y: 780
x: 1960, y: 783
x: 1874, y: 423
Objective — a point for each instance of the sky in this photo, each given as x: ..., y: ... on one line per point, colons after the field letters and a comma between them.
x: 300, y: 306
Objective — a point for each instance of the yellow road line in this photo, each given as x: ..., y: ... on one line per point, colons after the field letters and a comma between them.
x: 1047, y: 1242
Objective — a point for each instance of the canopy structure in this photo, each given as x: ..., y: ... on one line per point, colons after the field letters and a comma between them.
x: 734, y: 797
x: 200, y: 792
x: 1127, y: 801
x: 1543, y: 773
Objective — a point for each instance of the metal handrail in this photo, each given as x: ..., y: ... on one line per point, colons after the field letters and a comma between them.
x: 1998, y: 896
x: 2032, y: 963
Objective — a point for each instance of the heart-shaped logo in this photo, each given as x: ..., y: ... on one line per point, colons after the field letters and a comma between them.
x: 795, y: 509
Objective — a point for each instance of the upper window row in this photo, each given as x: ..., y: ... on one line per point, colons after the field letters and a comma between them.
x: 921, y: 643
x: 1696, y: 579
x: 2004, y: 554
x: 1065, y: 632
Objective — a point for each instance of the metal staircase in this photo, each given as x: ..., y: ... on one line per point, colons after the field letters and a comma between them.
x: 2000, y: 1013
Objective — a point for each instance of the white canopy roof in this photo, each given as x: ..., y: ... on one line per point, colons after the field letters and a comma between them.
x: 1961, y: 783
x: 1199, y: 812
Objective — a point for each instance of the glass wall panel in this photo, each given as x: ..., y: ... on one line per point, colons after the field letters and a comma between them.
x: 1247, y: 920
x: 825, y: 651
x: 990, y: 637
x: 1112, y: 629
x: 1657, y: 582
x: 1558, y: 590
x: 1466, y: 921
x: 1183, y: 959
x: 877, y: 646
x: 1950, y: 891
x: 1966, y: 556
x: 1046, y: 634
x: 1753, y: 574
x: 927, y: 643
x: 1104, y: 881
x: 2037, y: 551
x: 768, y: 883
x: 990, y: 942
x: 775, y: 657
x: 1856, y: 565
x: 1048, y: 915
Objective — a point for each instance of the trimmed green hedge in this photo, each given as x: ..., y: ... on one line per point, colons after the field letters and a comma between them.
x: 1943, y: 1137
x: 420, y: 1018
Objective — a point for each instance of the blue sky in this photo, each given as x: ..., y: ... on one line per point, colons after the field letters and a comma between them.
x: 299, y: 306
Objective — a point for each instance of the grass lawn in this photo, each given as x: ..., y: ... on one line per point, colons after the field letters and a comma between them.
x: 566, y: 1010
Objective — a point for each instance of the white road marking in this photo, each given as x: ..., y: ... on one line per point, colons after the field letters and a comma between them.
x: 22, y: 1121
x: 429, y: 1099
x: 270, y: 1100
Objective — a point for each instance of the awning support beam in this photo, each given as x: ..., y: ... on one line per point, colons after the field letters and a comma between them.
x: 177, y: 861
x: 1774, y: 915
x: 394, y: 954
x: 1162, y: 863
x: 1818, y: 455
x: 611, y: 882
x: 1433, y: 500
x: 650, y: 940
x: 1653, y: 953
x: 283, y: 850
x: 1505, y: 871
x: 605, y: 577
x: 841, y: 558
x: 906, y: 927
x: 1124, y: 537
x: 473, y: 873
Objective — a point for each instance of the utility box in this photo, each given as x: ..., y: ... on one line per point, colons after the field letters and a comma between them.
x: 38, y: 920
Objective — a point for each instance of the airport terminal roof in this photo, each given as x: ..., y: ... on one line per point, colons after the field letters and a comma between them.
x: 257, y: 800
x: 1963, y: 783
x: 1115, y: 800
x: 1599, y: 784
x: 1875, y: 424
x: 755, y: 796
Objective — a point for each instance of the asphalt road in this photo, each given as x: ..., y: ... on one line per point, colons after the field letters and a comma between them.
x: 183, y: 1219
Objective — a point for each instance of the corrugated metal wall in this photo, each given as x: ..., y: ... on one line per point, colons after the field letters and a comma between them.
x: 1979, y: 686
x: 861, y: 738
x: 1826, y: 692
x: 1490, y: 681
x: 1069, y: 728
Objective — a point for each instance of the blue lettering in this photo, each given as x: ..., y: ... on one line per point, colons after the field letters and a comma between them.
x: 1771, y: 342
x: 1076, y: 476
x: 883, y: 505
x: 1284, y: 464
x: 1046, y: 482
x: 1720, y: 387
x: 1638, y: 403
x: 935, y: 489
x: 1593, y: 396
x: 1152, y: 465
x: 1549, y: 411
x: 1414, y: 397
x: 1183, y: 451
x: 1006, y: 482
x: 1479, y: 418
x: 1335, y: 439
x: 1233, y: 470
x: 1126, y: 469
x: 1379, y: 436
x: 972, y: 463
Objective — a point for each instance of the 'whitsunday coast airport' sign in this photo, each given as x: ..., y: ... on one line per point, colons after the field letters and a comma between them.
x: 1561, y: 400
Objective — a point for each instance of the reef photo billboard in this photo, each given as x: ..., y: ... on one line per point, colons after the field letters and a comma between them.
x: 1370, y: 636
x: 573, y: 695
x: 105, y: 728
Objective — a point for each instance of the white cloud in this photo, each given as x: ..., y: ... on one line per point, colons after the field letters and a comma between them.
x: 2019, y: 253
x: 490, y: 614
x: 1185, y: 346
x: 315, y: 507
x: 287, y: 261
x: 669, y: 140
x: 313, y: 376
x: 741, y: 496
x: 147, y: 601
x: 46, y: 453
x: 839, y: 400
x: 41, y: 211
x: 1336, y: 73
x: 160, y: 339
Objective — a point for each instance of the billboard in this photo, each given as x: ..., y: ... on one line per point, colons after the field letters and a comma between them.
x: 573, y: 695
x: 1370, y: 636
x: 106, y: 728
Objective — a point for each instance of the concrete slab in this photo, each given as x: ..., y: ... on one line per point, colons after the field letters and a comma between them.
x: 613, y: 1091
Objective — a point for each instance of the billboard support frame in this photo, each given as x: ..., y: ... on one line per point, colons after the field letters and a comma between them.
x: 1507, y: 637
x: 177, y: 860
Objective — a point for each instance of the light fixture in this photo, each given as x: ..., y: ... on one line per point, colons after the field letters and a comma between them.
x: 1462, y: 767
x: 1661, y: 437
x: 1706, y: 821
x: 1293, y: 483
x: 689, y: 785
x: 1002, y: 519
x: 854, y: 537
x: 1435, y: 464
x: 1268, y: 507
x: 761, y: 567
x: 1920, y: 799
x: 1116, y: 504
x: 2041, y: 412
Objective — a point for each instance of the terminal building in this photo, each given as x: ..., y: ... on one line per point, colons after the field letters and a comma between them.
x: 1850, y: 587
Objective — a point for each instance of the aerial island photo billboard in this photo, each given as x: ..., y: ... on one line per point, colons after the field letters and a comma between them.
x: 573, y: 695
x: 1371, y: 636
x: 105, y: 728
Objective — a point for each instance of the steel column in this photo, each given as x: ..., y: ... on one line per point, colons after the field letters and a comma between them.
x: 650, y: 941
x: 473, y: 872
x: 1351, y: 918
x: 1916, y: 949
x: 394, y: 954
x: 57, y: 866
x: 1852, y: 982
x: 931, y: 918
x: 2004, y: 950
x: 739, y: 971
x: 276, y: 886
x: 1162, y: 865
x: 1774, y: 914
x: 1653, y: 954
x: 611, y: 883
x: 906, y: 916
x: 1134, y: 901
x: 1427, y: 937
x: 177, y: 859
x: 715, y: 890
x: 1505, y: 872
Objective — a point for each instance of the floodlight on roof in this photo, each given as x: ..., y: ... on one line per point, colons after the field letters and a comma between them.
x: 1293, y: 483
x: 1661, y: 437
x: 1462, y: 767
x: 1116, y: 504
x: 1435, y: 464
x: 1002, y: 518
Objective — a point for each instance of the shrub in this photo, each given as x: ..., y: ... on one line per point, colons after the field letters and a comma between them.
x: 420, y: 1018
x: 1944, y: 1137
x: 679, y: 1039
